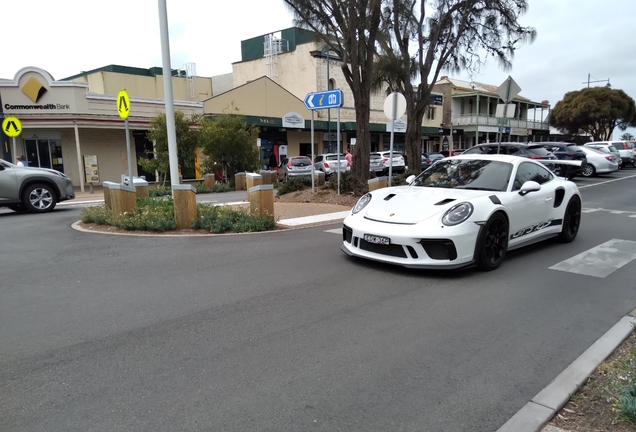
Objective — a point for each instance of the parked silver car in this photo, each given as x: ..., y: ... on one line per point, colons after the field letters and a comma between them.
x: 375, y: 163
x: 294, y: 166
x: 598, y: 162
x: 35, y: 190
x: 607, y: 147
x: 328, y: 163
x: 398, y: 164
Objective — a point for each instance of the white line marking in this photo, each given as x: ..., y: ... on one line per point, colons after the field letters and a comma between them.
x: 314, y: 219
x: 608, y: 181
x: 634, y: 216
x: 334, y: 231
x: 590, y: 210
x: 600, y: 261
x: 617, y: 212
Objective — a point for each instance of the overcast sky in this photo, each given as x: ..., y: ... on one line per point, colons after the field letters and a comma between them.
x: 574, y: 38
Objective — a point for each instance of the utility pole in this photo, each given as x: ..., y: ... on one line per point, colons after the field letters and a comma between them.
x: 588, y: 82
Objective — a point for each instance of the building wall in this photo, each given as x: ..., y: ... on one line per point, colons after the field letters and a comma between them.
x: 111, y: 83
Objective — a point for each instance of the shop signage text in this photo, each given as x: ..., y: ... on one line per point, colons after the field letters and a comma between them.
x: 38, y: 107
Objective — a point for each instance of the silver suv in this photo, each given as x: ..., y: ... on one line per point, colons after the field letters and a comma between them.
x: 36, y: 190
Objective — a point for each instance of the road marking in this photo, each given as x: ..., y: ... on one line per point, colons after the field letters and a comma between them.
x: 618, y: 212
x: 600, y: 261
x: 315, y: 219
x: 334, y: 231
x: 607, y: 181
x: 590, y: 210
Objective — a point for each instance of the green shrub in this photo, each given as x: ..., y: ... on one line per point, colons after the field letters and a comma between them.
x: 158, y: 191
x: 294, y: 184
x: 218, y: 220
x: 223, y: 187
x: 400, y: 179
x: 349, y: 183
x: 98, y: 214
x: 627, y: 403
x: 200, y: 188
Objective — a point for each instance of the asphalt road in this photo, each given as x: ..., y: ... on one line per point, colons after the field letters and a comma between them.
x: 282, y: 332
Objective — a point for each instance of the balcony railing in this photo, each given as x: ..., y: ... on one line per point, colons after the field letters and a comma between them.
x: 483, y: 120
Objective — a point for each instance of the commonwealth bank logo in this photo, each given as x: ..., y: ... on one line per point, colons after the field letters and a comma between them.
x: 33, y: 89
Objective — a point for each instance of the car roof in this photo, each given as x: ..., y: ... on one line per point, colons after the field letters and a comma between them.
x: 494, y: 157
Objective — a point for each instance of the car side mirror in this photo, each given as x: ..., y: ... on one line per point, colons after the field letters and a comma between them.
x: 529, y: 186
x: 410, y: 179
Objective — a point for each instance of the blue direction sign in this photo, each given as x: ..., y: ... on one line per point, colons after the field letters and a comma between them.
x: 324, y: 100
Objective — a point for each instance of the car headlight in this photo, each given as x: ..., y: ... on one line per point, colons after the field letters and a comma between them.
x: 457, y: 214
x: 362, y: 203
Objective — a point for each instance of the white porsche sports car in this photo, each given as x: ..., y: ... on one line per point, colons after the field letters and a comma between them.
x: 464, y: 210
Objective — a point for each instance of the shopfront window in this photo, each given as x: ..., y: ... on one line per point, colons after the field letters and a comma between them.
x: 44, y: 153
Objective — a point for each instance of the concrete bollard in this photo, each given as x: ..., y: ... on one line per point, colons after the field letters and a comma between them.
x: 261, y: 200
x: 378, y: 183
x: 209, y: 181
x: 185, y: 205
x: 107, y: 202
x: 252, y: 179
x: 319, y: 178
x: 122, y: 199
x: 239, y: 181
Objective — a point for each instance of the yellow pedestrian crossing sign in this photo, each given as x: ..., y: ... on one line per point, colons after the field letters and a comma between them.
x: 11, y: 126
x: 123, y: 104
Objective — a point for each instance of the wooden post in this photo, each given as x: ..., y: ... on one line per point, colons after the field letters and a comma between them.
x: 239, y: 181
x: 265, y: 177
x: 209, y: 181
x: 122, y: 198
x: 107, y: 201
x: 252, y: 180
x: 185, y: 205
x: 378, y: 183
x: 261, y: 200
x: 142, y: 189
x: 273, y: 176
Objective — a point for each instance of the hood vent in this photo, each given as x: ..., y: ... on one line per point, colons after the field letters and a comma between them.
x: 445, y: 201
x: 388, y: 197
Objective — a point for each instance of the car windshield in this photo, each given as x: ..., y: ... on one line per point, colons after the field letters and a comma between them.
x: 471, y: 174
x: 303, y: 161
x: 540, y: 151
x: 375, y: 156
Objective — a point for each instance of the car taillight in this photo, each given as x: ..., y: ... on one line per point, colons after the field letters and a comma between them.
x: 289, y: 165
x: 535, y: 157
x: 609, y: 158
x: 326, y: 165
x: 385, y: 159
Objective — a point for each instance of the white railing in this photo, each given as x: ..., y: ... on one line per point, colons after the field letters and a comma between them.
x: 482, y: 120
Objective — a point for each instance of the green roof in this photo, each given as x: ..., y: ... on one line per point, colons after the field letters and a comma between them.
x: 254, y: 48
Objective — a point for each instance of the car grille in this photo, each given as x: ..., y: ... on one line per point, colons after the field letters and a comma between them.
x: 347, y: 233
x: 439, y: 249
x: 391, y: 249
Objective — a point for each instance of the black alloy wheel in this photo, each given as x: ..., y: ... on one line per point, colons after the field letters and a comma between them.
x: 571, y: 221
x: 493, y: 242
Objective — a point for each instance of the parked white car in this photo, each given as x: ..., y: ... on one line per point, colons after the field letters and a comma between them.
x: 398, y: 162
x: 598, y: 162
x: 328, y: 163
x: 607, y: 147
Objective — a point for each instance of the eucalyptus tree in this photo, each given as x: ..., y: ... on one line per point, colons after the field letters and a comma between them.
x: 418, y: 39
x: 349, y: 28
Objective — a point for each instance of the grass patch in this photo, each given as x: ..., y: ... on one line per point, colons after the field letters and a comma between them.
x: 219, y: 219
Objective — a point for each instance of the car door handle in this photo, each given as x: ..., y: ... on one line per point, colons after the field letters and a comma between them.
x: 548, y: 199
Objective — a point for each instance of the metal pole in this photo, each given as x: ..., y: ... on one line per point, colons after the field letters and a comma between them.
x: 313, y: 166
x: 80, y: 166
x: 167, y: 91
x: 505, y: 113
x: 15, y: 155
x: 338, y: 146
x: 393, y: 112
x: 588, y: 80
x: 129, y: 153
x: 328, y: 109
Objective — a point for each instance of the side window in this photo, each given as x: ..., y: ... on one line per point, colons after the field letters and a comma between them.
x: 531, y: 172
x: 514, y: 150
x: 318, y: 159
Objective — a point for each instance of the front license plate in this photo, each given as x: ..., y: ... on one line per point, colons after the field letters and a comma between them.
x: 377, y: 239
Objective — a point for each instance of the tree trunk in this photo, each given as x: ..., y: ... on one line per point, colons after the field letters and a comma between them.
x: 413, y: 144
x: 360, y: 161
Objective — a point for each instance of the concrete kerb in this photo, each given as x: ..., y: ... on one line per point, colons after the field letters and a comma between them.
x: 541, y: 408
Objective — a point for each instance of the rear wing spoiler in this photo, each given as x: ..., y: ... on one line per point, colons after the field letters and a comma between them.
x: 559, y: 162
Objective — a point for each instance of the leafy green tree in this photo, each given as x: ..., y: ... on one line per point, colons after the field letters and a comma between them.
x: 596, y: 111
x: 187, y: 143
x: 627, y: 137
x: 419, y: 39
x: 349, y: 28
x: 228, y: 139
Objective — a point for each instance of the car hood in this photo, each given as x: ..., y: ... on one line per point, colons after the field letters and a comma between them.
x: 38, y: 169
x: 413, y: 204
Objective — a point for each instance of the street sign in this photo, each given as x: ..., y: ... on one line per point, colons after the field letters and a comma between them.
x: 400, y: 106
x: 323, y: 100
x: 508, y: 90
x: 123, y: 104
x: 12, y: 127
